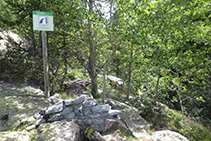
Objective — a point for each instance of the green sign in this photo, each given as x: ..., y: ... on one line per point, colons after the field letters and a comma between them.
x: 42, y: 21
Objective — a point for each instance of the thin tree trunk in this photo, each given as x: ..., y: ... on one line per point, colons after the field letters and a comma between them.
x: 104, y: 82
x: 65, y: 55
x: 65, y: 61
x: 157, y: 85
x: 34, y: 48
x: 179, y: 93
x: 129, y: 73
x: 129, y: 82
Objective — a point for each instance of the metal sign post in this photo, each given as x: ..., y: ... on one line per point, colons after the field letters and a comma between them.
x: 43, y: 21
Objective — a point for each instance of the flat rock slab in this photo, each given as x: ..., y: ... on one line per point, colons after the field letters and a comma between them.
x: 15, y: 136
x: 18, y: 104
x: 167, y: 135
x: 60, y: 131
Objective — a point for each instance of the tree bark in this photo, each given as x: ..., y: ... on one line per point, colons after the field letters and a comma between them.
x: 157, y: 85
x: 129, y: 73
x: 104, y: 82
x: 179, y: 93
x: 92, y: 49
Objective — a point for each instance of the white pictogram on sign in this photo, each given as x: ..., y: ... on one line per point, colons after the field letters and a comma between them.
x: 43, y: 20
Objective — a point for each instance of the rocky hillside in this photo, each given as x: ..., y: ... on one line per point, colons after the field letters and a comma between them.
x: 27, y: 115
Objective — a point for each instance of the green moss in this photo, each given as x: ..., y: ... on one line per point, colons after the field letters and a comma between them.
x: 33, y: 134
x: 65, y: 96
x: 149, y: 132
x: 89, y: 131
x: 176, y: 124
x: 125, y: 134
x: 23, y: 125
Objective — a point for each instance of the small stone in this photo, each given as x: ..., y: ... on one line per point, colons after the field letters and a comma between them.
x: 55, y: 98
x: 89, y: 104
x: 80, y: 115
x: 38, y: 116
x: 31, y: 118
x: 77, y: 108
x: 97, y: 121
x: 40, y: 121
x: 114, y: 112
x: 94, y: 116
x: 58, y: 107
x: 78, y: 100
x: 101, y: 108
x: 88, y: 121
x: 86, y: 112
x: 84, y: 123
x: 105, y: 114
x: 30, y: 127
x: 67, y: 111
x: 56, y: 117
x: 70, y: 116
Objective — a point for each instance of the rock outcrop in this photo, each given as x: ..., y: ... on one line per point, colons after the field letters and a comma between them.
x: 18, y: 104
x: 67, y: 119
x: 85, y: 112
x: 131, y: 119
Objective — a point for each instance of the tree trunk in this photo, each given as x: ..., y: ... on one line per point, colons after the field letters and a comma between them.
x: 92, y: 73
x: 104, y: 82
x: 34, y: 48
x: 157, y: 85
x: 129, y: 81
x: 65, y: 56
x: 179, y: 92
x: 129, y: 73
x: 65, y: 62
x: 92, y: 49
